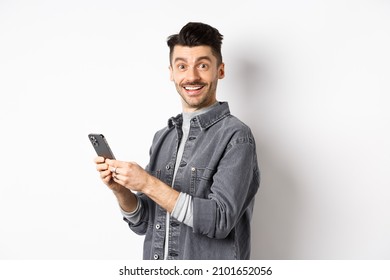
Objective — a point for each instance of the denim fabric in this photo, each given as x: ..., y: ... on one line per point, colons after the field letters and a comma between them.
x: 219, y: 169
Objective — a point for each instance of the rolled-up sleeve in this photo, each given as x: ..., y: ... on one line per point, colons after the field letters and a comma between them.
x: 234, y: 186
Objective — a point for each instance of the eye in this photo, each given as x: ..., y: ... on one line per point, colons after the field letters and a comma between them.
x: 181, y: 67
x: 203, y: 66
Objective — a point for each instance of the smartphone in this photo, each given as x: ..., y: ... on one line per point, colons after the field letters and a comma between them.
x: 100, y: 145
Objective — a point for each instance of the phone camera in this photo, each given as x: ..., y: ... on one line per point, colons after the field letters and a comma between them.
x: 94, y: 141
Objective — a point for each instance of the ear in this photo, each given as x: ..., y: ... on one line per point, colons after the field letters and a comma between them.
x: 170, y: 73
x: 221, y: 71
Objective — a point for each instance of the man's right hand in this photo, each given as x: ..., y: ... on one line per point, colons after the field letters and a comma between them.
x: 106, y: 175
x: 126, y: 199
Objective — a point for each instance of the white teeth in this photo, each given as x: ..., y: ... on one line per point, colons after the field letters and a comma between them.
x: 192, y: 88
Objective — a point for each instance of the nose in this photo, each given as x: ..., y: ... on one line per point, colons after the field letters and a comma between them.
x: 192, y: 74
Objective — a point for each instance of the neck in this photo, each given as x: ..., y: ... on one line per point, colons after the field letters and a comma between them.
x: 186, y: 109
x: 199, y: 111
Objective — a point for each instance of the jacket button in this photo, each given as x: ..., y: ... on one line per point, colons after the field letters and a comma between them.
x: 168, y: 167
x: 193, y: 169
x: 156, y: 257
x: 158, y: 226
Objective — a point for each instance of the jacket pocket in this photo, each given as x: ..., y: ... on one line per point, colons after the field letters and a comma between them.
x: 201, y: 181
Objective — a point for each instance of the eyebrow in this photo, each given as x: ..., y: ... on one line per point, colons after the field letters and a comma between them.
x: 197, y: 60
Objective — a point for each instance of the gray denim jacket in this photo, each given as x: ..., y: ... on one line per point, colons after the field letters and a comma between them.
x: 219, y: 169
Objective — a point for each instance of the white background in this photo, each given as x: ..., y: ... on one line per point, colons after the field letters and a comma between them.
x: 311, y: 78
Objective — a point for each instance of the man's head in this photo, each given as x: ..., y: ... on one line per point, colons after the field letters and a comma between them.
x: 195, y: 34
x: 196, y: 64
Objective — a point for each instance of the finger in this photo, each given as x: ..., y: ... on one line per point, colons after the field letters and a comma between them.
x: 117, y: 170
x: 115, y: 165
x: 111, y: 162
x: 99, y: 160
x: 101, y: 167
x: 122, y: 177
x: 116, y: 178
x: 105, y: 174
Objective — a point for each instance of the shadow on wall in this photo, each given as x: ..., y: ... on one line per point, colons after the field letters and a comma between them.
x: 276, y: 210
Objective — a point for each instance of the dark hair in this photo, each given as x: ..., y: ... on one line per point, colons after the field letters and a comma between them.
x: 195, y: 34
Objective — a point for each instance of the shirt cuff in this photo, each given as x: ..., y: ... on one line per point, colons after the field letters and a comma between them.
x: 183, y: 210
x: 135, y: 216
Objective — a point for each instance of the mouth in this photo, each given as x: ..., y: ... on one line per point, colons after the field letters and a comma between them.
x: 193, y: 89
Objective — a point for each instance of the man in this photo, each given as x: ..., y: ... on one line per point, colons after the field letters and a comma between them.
x: 195, y: 198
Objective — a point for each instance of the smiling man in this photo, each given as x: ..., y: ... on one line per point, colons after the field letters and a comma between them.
x: 195, y: 198
x: 195, y: 72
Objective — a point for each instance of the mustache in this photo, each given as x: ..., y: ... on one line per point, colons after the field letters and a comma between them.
x: 193, y: 83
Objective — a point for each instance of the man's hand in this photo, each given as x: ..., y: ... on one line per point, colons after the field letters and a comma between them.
x: 129, y: 174
x: 126, y: 199
x: 124, y: 177
x: 106, y: 174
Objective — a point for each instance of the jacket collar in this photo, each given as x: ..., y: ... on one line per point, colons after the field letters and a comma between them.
x: 204, y: 120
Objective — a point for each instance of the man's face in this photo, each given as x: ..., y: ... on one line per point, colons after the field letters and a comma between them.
x: 195, y: 72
